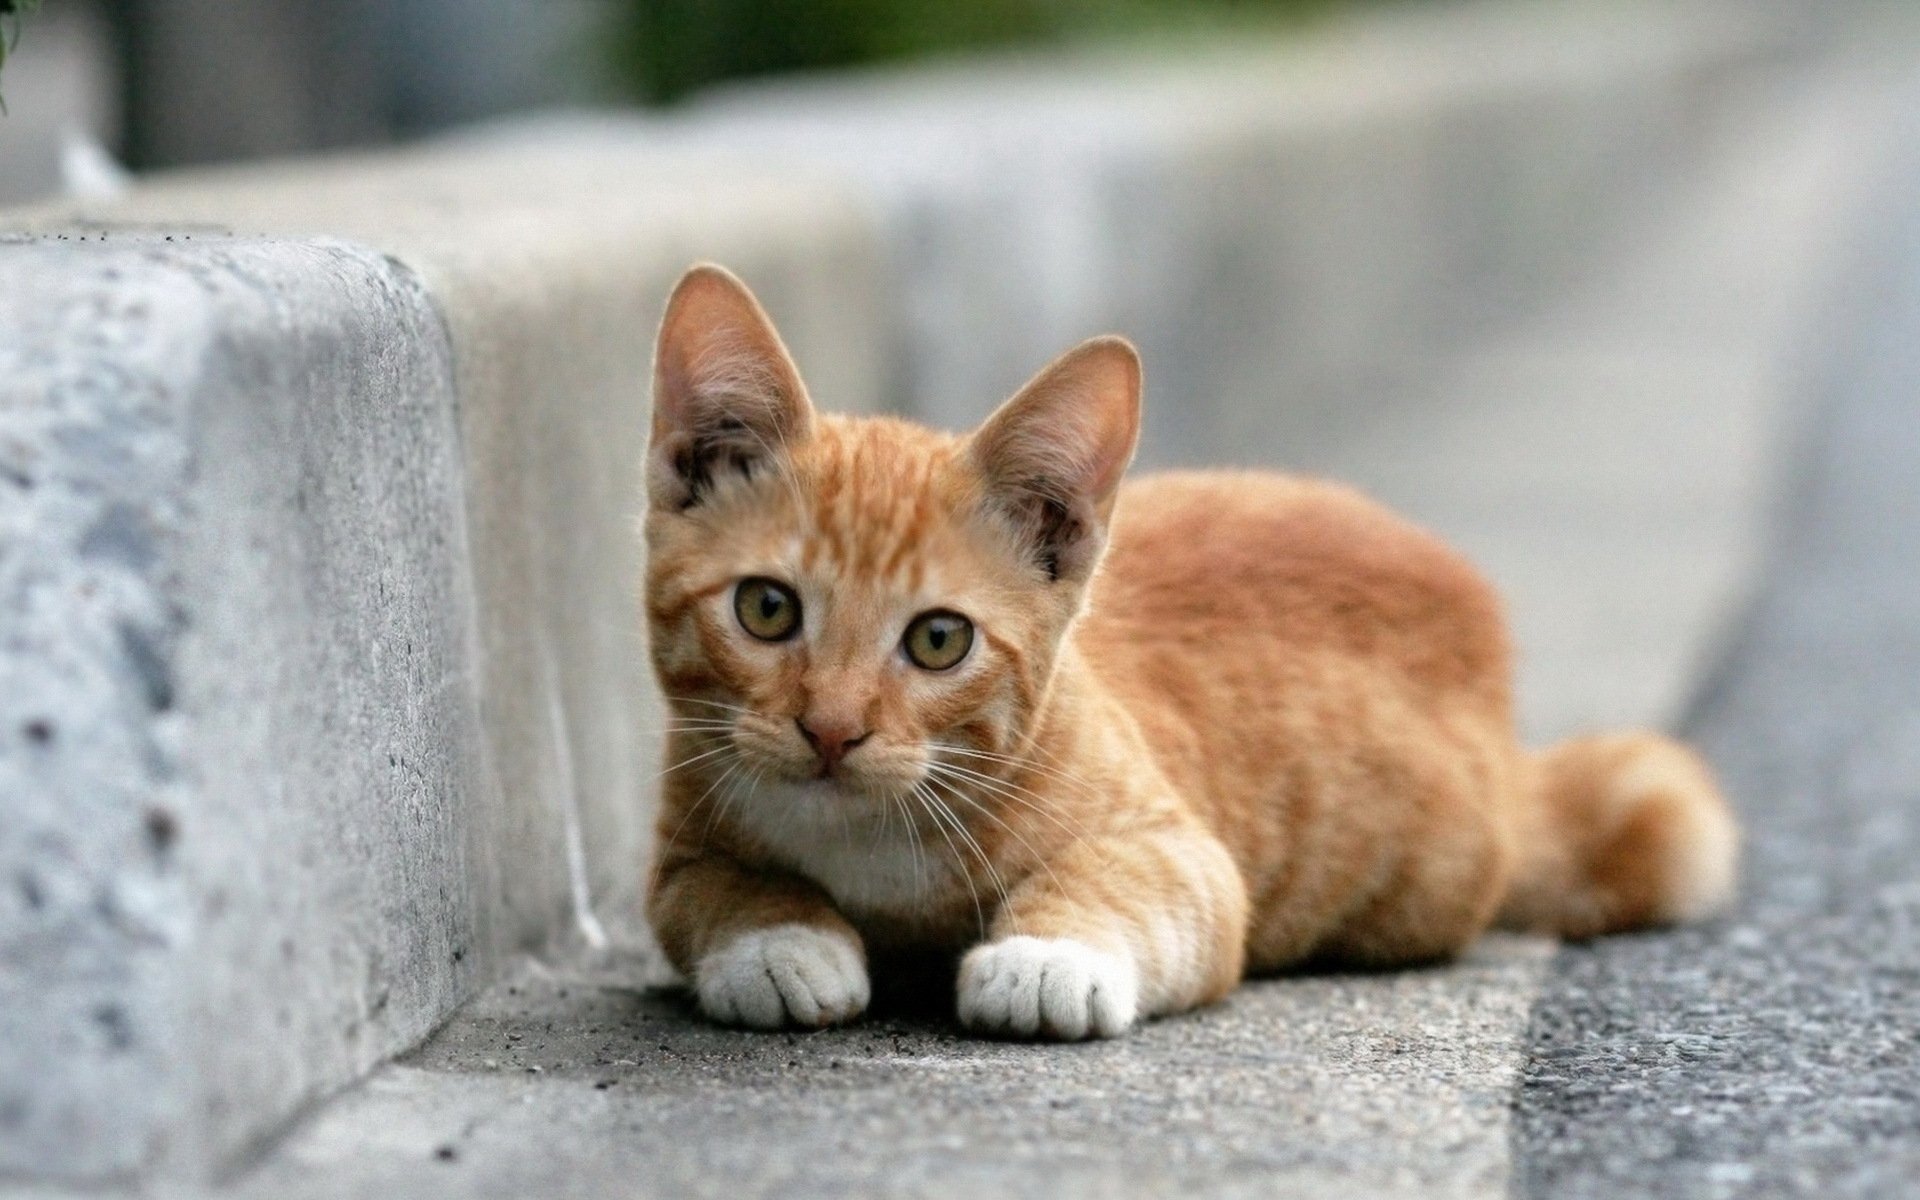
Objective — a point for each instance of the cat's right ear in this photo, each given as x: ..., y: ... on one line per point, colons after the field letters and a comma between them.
x: 1052, y: 457
x: 726, y: 395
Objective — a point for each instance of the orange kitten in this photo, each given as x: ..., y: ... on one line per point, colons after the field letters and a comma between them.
x: 1113, y: 747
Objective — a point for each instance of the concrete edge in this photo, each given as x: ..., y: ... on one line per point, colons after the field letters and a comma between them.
x: 238, y: 711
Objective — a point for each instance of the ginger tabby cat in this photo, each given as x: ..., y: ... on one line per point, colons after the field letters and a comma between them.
x: 1112, y: 747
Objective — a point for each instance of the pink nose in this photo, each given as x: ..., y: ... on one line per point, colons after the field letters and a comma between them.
x: 830, y: 741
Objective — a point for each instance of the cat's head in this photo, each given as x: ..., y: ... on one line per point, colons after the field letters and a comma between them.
x: 852, y: 598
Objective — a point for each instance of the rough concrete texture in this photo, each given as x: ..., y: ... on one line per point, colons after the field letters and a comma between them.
x: 237, y: 716
x: 1777, y: 1054
x: 570, y: 1089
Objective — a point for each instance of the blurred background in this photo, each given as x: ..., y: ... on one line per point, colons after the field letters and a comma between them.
x: 163, y: 83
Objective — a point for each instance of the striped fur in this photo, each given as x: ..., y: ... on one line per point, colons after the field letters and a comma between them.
x: 1211, y: 723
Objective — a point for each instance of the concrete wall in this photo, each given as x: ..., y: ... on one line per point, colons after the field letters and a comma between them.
x: 407, y: 728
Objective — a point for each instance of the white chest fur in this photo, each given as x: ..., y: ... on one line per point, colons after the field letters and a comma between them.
x: 870, y: 857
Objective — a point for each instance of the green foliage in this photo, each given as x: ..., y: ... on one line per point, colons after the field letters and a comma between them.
x: 665, y: 49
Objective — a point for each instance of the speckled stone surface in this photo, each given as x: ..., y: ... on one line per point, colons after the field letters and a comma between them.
x: 1323, y: 1086
x: 237, y: 726
x: 1777, y: 1053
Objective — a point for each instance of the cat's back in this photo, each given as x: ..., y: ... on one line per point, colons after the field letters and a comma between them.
x: 1241, y: 571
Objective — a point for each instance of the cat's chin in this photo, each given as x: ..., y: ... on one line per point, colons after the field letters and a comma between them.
x: 843, y: 790
x: 848, y: 791
x: 789, y: 807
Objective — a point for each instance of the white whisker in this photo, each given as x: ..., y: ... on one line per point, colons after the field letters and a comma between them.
x: 959, y: 794
x: 913, y: 843
x: 927, y: 803
x: 993, y: 873
x: 1010, y: 792
x: 695, y: 807
x: 710, y: 703
x: 722, y: 748
x: 1021, y: 763
x: 740, y: 787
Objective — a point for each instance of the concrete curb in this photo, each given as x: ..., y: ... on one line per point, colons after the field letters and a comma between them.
x: 237, y: 720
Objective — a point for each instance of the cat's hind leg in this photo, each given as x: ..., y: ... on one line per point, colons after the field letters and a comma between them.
x: 1439, y: 866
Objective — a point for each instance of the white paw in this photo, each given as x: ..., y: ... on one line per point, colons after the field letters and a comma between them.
x: 1052, y: 987
x: 788, y: 974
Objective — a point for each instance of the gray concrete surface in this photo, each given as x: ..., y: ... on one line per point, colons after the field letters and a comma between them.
x: 1777, y: 1054
x: 238, y: 718
x: 564, y: 1089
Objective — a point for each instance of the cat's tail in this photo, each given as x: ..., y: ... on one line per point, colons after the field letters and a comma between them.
x: 1623, y: 831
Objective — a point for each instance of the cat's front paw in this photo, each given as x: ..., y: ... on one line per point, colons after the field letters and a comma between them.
x: 1047, y: 987
x: 784, y: 975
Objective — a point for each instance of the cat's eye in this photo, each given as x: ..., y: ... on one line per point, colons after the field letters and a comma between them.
x: 938, y: 640
x: 766, y: 609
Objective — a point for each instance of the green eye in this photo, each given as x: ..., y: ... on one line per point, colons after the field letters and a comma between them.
x: 938, y: 640
x: 767, y: 610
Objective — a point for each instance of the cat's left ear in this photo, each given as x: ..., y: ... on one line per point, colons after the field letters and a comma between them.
x: 1051, y: 459
x: 726, y: 395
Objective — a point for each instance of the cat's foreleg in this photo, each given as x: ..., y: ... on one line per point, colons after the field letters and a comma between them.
x: 1114, y: 929
x: 762, y: 949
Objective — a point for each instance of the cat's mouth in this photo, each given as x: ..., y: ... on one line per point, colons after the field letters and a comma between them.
x: 809, y: 774
x: 879, y: 768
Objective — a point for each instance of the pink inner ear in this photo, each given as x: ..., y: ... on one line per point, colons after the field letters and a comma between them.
x: 1072, y: 430
x: 720, y: 364
x: 1053, y: 456
x: 726, y: 393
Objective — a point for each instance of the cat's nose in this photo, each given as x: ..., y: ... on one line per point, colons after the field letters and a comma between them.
x: 830, y: 740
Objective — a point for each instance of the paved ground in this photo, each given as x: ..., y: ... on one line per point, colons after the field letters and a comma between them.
x: 1778, y: 1054
x: 1338, y: 1086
